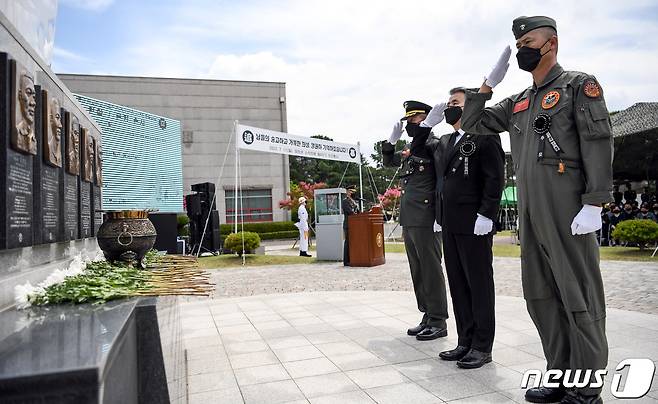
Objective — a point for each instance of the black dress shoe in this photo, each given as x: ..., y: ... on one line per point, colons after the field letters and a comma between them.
x: 454, y: 354
x: 415, y: 330
x: 304, y: 254
x: 474, y: 359
x: 544, y: 395
x: 430, y: 333
x: 573, y: 397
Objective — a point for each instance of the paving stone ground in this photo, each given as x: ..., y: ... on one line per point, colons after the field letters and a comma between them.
x: 628, y: 285
x: 351, y: 347
x: 324, y: 333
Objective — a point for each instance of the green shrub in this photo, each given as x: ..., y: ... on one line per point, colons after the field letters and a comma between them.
x: 277, y: 235
x: 183, y: 224
x: 233, y: 242
x: 639, y: 231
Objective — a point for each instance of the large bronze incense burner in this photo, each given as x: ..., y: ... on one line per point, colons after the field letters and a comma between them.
x: 126, y: 236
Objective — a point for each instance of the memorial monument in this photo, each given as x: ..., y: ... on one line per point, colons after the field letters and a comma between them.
x: 50, y: 209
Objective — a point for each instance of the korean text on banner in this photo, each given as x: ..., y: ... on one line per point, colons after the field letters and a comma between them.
x: 264, y: 140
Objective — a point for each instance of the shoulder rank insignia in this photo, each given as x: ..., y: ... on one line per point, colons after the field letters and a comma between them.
x: 592, y: 89
x: 550, y: 100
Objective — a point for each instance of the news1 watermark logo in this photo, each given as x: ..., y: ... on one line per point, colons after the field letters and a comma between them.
x: 637, y: 381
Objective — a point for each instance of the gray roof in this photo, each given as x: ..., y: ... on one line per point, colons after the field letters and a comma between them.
x: 638, y: 118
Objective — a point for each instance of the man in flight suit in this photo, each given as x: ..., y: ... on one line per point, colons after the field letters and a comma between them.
x: 418, y: 216
x: 562, y: 149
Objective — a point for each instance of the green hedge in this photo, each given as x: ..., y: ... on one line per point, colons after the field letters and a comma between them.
x: 279, y: 235
x: 276, y: 235
x: 260, y: 228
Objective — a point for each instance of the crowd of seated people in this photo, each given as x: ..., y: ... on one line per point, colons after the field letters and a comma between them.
x: 626, y: 207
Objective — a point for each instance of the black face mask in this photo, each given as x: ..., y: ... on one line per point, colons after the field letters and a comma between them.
x: 453, y: 114
x: 529, y: 58
x: 415, y: 130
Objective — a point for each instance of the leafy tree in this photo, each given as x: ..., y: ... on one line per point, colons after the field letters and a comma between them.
x: 376, y: 177
x: 298, y: 190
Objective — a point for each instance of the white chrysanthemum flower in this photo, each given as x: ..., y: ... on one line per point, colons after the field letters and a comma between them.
x: 77, y: 264
x: 23, y: 295
x: 76, y: 267
x: 54, y: 278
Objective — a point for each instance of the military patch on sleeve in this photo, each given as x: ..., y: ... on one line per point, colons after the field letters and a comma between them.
x: 592, y: 89
x: 550, y: 100
x: 521, y: 106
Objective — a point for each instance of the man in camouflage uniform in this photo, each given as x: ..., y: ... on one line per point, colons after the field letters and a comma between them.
x: 562, y: 149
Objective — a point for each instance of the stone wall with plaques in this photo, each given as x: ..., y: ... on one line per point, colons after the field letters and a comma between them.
x: 18, y: 147
x: 48, y: 206
x: 50, y: 178
x: 96, y: 195
x: 85, y: 180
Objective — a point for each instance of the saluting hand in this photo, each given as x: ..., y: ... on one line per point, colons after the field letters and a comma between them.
x: 499, y: 70
x: 396, y: 134
x: 435, y: 116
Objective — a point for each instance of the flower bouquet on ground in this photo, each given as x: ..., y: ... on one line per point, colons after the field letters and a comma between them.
x: 99, y: 281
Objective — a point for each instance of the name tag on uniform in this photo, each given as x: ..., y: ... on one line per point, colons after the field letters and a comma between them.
x: 521, y: 106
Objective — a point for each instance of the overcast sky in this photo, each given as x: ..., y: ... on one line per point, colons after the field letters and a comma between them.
x: 349, y: 65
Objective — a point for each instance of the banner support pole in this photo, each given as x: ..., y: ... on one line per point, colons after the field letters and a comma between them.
x: 358, y: 149
x: 235, y: 190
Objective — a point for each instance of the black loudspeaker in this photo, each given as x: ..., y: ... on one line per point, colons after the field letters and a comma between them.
x: 211, y: 241
x: 204, y: 188
x: 199, y: 207
x: 206, y: 193
x: 193, y: 205
x: 166, y: 225
x: 205, y: 199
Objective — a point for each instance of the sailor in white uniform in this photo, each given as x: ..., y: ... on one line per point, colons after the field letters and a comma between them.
x: 302, y: 225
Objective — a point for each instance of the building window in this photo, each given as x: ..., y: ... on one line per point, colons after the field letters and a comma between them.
x: 256, y: 205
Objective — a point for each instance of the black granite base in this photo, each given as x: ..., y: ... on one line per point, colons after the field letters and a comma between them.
x: 120, y: 352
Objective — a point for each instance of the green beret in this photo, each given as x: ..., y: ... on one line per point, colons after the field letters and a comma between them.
x: 522, y: 25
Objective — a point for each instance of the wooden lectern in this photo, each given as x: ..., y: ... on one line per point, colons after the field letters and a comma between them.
x: 366, y: 236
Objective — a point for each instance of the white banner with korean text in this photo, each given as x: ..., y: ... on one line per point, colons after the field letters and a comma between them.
x: 264, y: 140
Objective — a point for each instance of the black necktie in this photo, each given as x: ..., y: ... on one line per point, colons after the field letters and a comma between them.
x: 453, y: 139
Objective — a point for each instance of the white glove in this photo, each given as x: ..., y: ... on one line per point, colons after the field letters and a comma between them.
x: 437, y: 227
x: 396, y: 134
x: 435, y: 116
x: 588, y: 220
x: 499, y: 70
x: 483, y: 225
